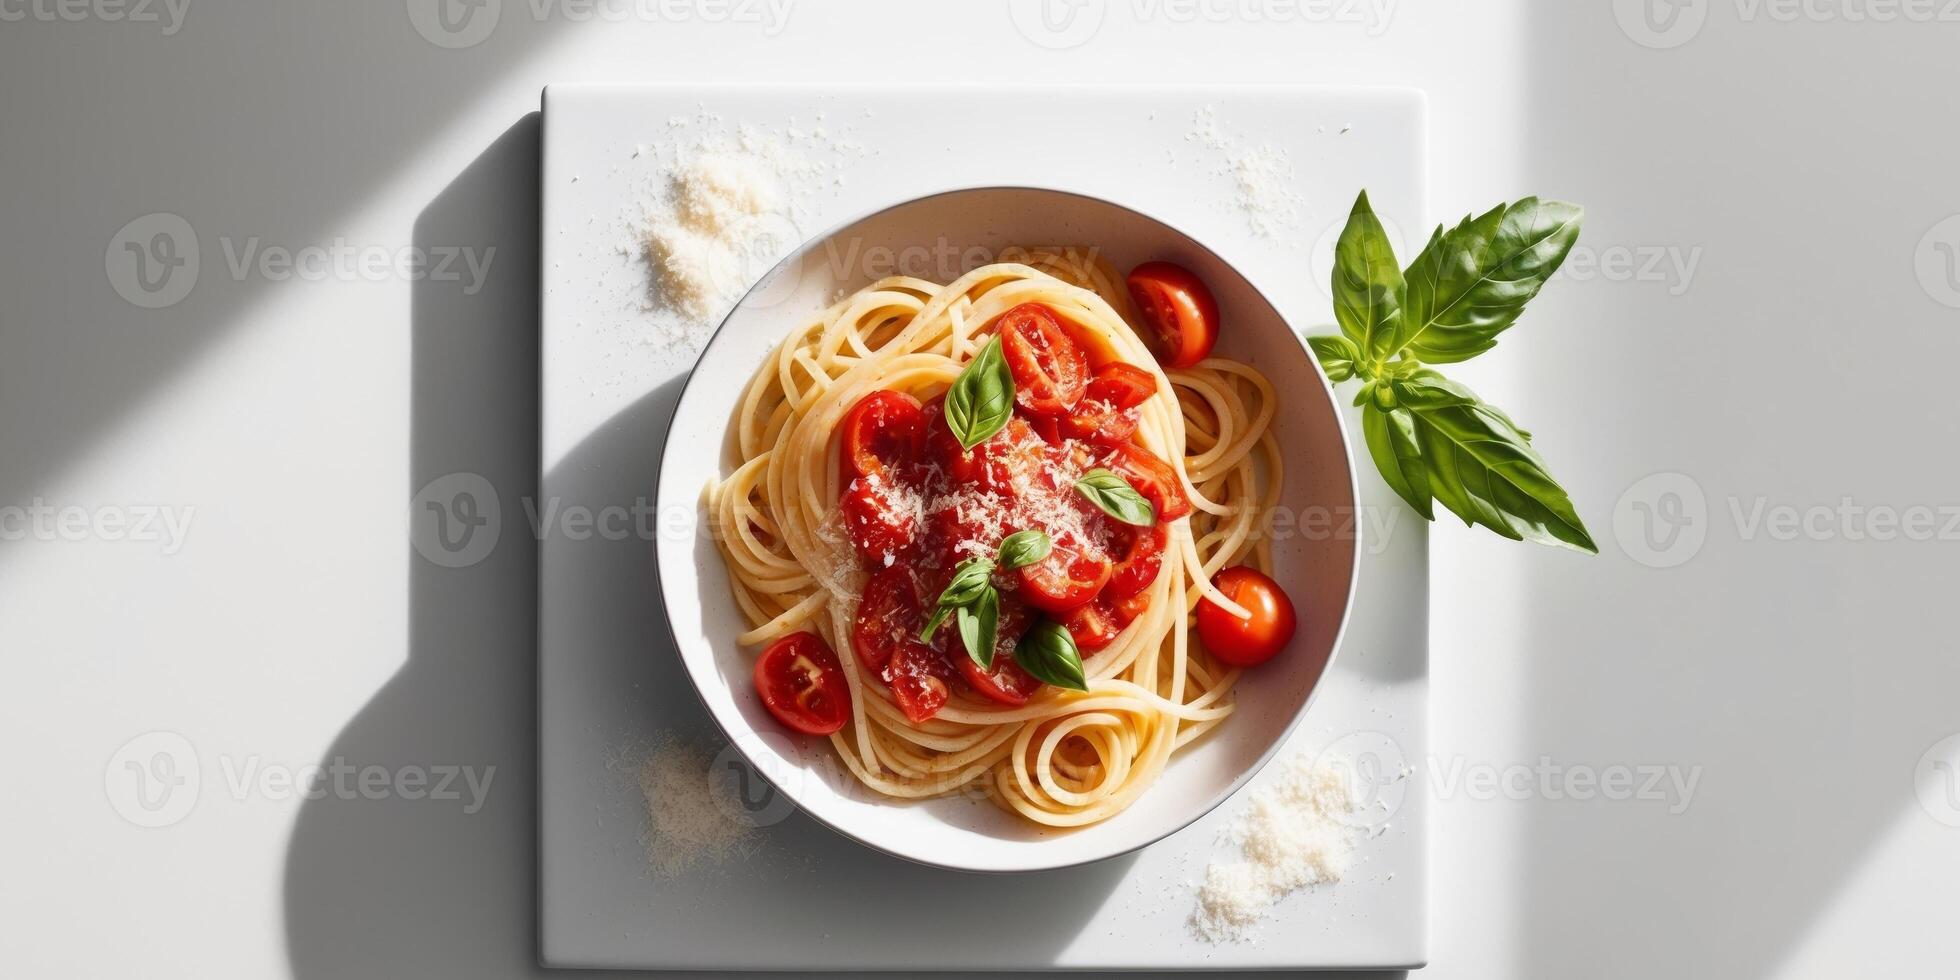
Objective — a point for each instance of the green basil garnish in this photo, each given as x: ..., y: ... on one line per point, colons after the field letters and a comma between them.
x: 979, y: 625
x: 1025, y: 548
x: 982, y: 397
x: 1116, y: 497
x: 1431, y: 438
x: 932, y: 625
x: 1048, y: 654
x: 970, y: 578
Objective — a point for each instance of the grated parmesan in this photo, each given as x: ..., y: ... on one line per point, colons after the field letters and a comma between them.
x: 722, y: 203
x: 1261, y: 176
x: 726, y: 227
x: 1293, y: 834
x: 687, y: 825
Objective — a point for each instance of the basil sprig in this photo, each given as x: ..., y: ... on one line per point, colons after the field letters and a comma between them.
x: 972, y: 579
x: 1431, y: 438
x: 973, y: 602
x: 982, y: 397
x: 1116, y: 497
x: 1048, y: 654
x: 1025, y: 548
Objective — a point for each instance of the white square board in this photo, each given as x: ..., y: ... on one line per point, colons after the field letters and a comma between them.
x: 608, y: 686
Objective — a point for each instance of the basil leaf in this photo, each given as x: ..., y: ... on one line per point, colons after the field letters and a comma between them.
x: 1367, y: 281
x: 1471, y: 282
x: 932, y: 624
x: 1116, y: 497
x: 970, y: 578
x: 1048, y: 654
x: 1337, y: 356
x: 982, y: 397
x: 1025, y: 548
x: 1483, y: 468
x: 979, y: 626
x: 1391, y: 438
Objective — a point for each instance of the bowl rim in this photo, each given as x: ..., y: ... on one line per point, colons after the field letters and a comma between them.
x: 1239, y: 782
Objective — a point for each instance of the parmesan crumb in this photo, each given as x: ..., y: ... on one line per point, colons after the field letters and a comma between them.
x: 1291, y: 835
x: 1261, y: 176
x: 687, y: 825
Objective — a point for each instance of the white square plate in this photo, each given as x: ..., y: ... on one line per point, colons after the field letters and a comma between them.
x: 809, y: 899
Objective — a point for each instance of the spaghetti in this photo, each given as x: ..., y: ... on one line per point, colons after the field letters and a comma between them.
x: 1057, y: 756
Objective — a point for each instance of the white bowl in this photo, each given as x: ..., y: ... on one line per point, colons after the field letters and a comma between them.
x: 938, y: 237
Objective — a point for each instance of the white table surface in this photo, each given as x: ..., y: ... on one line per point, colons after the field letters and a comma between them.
x: 1801, y: 167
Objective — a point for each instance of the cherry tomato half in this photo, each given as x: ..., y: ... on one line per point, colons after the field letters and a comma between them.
x: 888, y: 617
x: 803, y: 685
x: 1048, y: 428
x: 1005, y: 461
x: 917, y: 676
x: 1091, y: 625
x: 1152, y: 477
x: 1006, y: 683
x: 1067, y: 578
x: 1246, y: 642
x: 877, y: 523
x: 1107, y: 413
x: 1141, y: 558
x: 883, y: 433
x: 1180, y: 313
x: 1129, y: 608
x: 1050, y: 371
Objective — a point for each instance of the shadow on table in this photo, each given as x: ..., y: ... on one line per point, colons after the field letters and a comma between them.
x: 1799, y: 679
x: 261, y: 125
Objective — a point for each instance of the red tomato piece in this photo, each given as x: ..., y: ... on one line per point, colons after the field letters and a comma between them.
x: 803, y: 685
x: 1151, y: 477
x: 884, y: 433
x: 889, y: 615
x: 1246, y: 642
x: 1050, y: 371
x: 1067, y: 578
x: 1003, y: 462
x: 1129, y: 608
x: 1091, y: 625
x: 917, y: 676
x: 941, y: 445
x: 1107, y: 413
x: 879, y: 524
x: 1141, y: 558
x: 1006, y: 683
x: 1179, y: 313
x: 1047, y: 427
